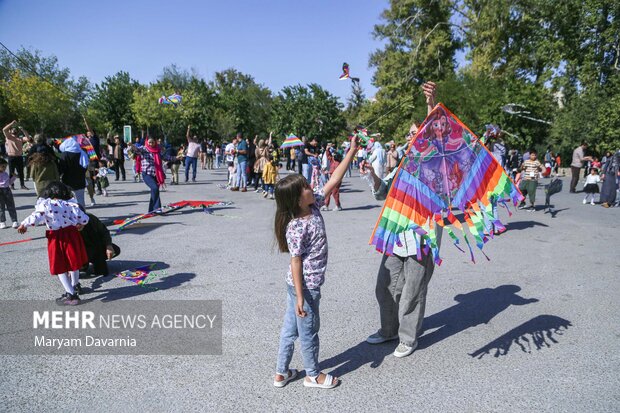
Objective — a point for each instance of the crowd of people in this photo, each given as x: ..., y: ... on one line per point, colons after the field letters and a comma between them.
x: 63, y: 173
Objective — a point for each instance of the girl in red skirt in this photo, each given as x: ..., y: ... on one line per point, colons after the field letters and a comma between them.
x: 60, y: 212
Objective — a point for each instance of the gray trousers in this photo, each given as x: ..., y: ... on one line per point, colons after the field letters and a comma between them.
x: 6, y: 203
x: 401, y: 292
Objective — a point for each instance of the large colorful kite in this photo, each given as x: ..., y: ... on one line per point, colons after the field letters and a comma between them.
x: 84, y: 143
x: 446, y: 167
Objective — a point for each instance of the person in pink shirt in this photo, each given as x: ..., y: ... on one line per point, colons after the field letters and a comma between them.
x: 14, y: 150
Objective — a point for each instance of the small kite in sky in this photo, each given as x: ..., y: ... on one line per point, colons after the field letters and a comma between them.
x: 174, y: 100
x: 346, y: 75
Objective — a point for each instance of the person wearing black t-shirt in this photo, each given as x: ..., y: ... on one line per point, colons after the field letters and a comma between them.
x: 311, y: 150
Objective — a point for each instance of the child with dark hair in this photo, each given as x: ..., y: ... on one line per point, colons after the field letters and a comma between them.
x: 300, y: 231
x: 102, y: 177
x: 529, y: 182
x: 60, y: 212
x: 6, y: 195
x: 269, y: 176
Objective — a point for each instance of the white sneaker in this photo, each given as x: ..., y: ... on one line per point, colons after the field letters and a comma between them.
x: 591, y: 202
x: 585, y: 202
x: 404, y: 350
x: 323, y: 208
x: 2, y: 225
x: 337, y: 209
x: 15, y: 225
x: 272, y: 197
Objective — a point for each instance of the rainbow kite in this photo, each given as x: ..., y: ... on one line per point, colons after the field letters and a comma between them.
x: 446, y: 166
x: 346, y: 75
x: 84, y: 143
x: 140, y: 275
x: 174, y: 100
x: 124, y: 223
x: 291, y: 141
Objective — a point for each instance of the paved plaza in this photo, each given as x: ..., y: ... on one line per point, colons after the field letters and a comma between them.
x: 536, y: 328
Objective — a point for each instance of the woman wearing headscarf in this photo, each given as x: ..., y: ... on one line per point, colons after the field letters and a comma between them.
x: 377, y: 159
x: 43, y: 169
x: 610, y: 174
x: 72, y: 166
x: 152, y: 169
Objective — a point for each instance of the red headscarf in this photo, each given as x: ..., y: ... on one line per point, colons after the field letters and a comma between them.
x: 160, y: 176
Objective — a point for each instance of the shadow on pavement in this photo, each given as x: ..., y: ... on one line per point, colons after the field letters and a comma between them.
x: 142, y: 227
x: 357, y: 356
x: 473, y: 308
x: 554, y: 212
x: 519, y: 225
x: 533, y: 334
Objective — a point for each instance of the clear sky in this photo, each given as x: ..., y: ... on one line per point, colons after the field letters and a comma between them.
x: 278, y: 42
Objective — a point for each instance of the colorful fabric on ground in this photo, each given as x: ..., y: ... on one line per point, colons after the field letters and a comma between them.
x: 140, y: 275
x: 291, y: 141
x: 124, y: 223
x: 446, y: 166
x: 84, y: 144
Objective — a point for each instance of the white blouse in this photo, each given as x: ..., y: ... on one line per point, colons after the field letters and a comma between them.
x: 56, y: 214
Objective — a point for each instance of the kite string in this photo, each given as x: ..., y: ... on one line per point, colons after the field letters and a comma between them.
x: 389, y: 111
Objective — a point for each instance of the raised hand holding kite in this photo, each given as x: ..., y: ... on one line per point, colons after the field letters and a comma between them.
x: 445, y: 167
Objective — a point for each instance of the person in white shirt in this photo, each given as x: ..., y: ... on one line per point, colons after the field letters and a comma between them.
x: 229, y: 153
x: 591, y: 186
x: 191, y: 159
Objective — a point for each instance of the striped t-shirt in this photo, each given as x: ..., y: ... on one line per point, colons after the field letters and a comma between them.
x: 530, y: 169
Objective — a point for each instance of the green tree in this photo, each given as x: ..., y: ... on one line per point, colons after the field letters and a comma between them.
x: 39, y: 73
x: 111, y: 101
x: 38, y: 105
x: 243, y: 105
x: 308, y: 111
x: 420, y: 45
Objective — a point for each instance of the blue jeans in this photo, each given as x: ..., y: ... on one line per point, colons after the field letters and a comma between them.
x: 268, y: 188
x: 189, y: 161
x: 241, y: 180
x: 151, y: 182
x: 307, y: 329
x: 306, y: 171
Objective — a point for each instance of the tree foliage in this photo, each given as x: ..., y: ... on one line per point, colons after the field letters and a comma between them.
x: 309, y: 111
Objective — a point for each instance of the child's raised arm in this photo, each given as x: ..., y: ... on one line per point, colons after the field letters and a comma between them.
x: 338, y: 174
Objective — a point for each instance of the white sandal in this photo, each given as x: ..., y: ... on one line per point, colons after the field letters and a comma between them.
x: 328, y: 383
x: 291, y: 375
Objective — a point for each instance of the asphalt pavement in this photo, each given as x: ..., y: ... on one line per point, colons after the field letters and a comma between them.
x: 536, y: 328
